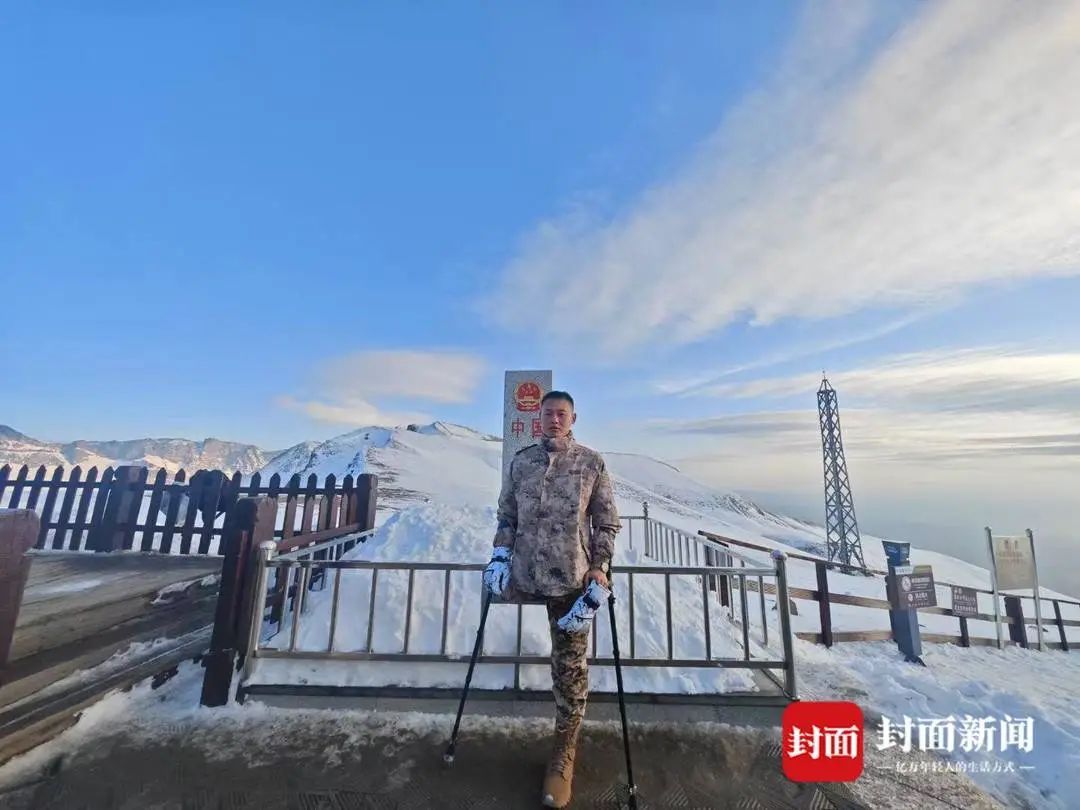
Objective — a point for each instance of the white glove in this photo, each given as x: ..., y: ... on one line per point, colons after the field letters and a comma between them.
x: 583, y: 610
x: 497, y: 573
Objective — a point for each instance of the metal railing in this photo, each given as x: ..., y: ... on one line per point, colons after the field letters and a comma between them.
x: 297, y: 571
x: 673, y: 546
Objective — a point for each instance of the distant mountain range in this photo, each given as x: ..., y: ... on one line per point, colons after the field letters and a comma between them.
x: 171, y: 455
x: 320, y: 457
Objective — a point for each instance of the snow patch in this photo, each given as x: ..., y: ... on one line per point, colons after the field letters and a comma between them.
x: 179, y: 587
x: 958, y: 682
x: 69, y: 586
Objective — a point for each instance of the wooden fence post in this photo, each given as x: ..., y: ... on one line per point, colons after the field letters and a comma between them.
x: 824, y: 606
x: 51, y: 493
x: 249, y: 523
x: 117, y: 496
x: 1017, y: 628
x: 18, y: 532
x: 1061, y: 626
x: 367, y: 486
x: 367, y: 496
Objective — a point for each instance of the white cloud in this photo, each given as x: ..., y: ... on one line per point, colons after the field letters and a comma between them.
x: 688, y: 386
x: 870, y: 170
x: 353, y: 412
x: 883, y: 434
x: 943, y: 407
x: 449, y: 377
x: 347, y: 389
x: 984, y: 379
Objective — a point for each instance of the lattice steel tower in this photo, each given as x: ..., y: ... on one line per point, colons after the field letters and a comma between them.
x: 841, y: 530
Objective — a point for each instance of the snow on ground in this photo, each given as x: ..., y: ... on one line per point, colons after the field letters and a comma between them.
x: 957, y: 682
x: 69, y: 586
x: 440, y: 533
x: 265, y: 736
x: 180, y: 587
x: 251, y: 731
x: 120, y: 659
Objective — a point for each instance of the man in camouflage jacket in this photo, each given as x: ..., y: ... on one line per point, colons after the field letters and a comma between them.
x: 558, y: 518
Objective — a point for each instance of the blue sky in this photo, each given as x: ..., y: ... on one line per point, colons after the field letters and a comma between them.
x: 244, y: 193
x: 269, y: 225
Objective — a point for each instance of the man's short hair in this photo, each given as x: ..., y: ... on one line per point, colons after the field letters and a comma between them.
x: 558, y: 395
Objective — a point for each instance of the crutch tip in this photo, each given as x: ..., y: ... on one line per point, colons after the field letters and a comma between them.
x: 448, y: 760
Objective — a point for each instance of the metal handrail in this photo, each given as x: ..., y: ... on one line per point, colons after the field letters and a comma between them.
x: 298, y: 553
x: 305, y: 564
x: 700, y: 541
x: 369, y: 565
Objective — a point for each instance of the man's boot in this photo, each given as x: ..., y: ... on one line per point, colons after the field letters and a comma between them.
x: 560, y: 771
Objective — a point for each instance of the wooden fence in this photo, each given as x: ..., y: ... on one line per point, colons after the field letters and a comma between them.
x: 1013, y: 616
x: 121, y: 509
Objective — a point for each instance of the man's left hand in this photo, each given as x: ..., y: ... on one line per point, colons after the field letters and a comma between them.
x: 597, y: 576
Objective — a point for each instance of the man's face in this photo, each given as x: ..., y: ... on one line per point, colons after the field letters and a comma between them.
x: 557, y: 418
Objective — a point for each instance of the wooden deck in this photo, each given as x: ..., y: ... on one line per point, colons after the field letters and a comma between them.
x: 79, y: 609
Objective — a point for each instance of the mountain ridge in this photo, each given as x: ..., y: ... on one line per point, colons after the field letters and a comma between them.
x: 170, y: 454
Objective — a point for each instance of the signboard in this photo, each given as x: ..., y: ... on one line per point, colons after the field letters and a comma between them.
x: 965, y: 601
x: 896, y: 552
x: 1014, y: 561
x: 522, y: 393
x: 914, y: 590
x: 1012, y: 565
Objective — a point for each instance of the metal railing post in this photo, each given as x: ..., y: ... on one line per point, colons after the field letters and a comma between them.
x: 646, y: 528
x: 784, y: 608
x: 263, y: 554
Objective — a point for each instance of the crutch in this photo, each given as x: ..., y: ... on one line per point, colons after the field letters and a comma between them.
x: 631, y: 787
x: 448, y: 757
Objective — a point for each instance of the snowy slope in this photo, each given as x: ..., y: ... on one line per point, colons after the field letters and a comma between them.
x: 649, y: 478
x: 416, y: 464
x: 449, y: 464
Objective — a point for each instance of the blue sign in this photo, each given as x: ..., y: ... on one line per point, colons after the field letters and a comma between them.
x: 896, y: 552
x: 903, y: 620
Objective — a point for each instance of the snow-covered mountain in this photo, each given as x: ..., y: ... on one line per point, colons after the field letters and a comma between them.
x: 17, y: 449
x: 415, y: 464
x: 447, y: 463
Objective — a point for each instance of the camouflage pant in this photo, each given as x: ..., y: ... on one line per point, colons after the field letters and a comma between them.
x: 569, y: 670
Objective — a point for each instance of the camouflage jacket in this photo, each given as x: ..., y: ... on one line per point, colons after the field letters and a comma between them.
x: 557, y: 512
